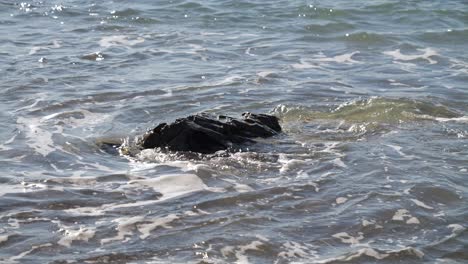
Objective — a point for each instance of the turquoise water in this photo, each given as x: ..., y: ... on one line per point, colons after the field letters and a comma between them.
x: 371, y: 167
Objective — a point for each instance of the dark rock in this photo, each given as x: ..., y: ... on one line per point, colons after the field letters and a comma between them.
x: 204, y: 133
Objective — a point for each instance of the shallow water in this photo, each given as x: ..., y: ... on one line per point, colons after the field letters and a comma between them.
x: 371, y: 167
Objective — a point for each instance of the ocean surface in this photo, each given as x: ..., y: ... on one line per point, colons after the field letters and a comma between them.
x: 371, y: 167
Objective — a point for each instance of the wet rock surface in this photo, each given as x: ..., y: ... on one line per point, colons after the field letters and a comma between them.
x: 204, y: 133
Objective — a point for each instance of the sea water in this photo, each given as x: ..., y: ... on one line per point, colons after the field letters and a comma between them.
x: 371, y: 166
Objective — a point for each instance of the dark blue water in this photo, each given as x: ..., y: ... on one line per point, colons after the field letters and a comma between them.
x: 371, y: 166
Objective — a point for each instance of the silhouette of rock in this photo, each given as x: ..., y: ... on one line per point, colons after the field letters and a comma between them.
x: 205, y: 133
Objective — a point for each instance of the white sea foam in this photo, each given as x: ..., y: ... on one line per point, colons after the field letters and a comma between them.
x: 240, y: 253
x: 401, y: 153
x: 427, y: 54
x: 413, y: 220
x: 212, y: 34
x: 341, y: 200
x: 371, y: 252
x: 70, y: 235
x: 125, y: 227
x: 461, y: 119
x: 119, y: 40
x: 421, y: 204
x: 265, y: 74
x: 321, y: 59
x: 293, y: 249
x: 338, y: 162
x: 247, y: 52
x: 344, y: 58
x: 146, y: 228
x: 305, y: 64
x: 4, y: 238
x: 348, y: 239
x: 169, y: 185
x: 40, y: 138
x: 239, y: 187
x: 172, y: 185
x: 290, y: 164
x: 400, y: 215
x: 23, y: 254
x: 55, y: 45
x: 403, y: 214
x: 370, y: 223
x: 397, y: 149
x: 456, y: 228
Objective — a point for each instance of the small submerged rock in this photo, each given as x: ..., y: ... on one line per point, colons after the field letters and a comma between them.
x: 204, y: 133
